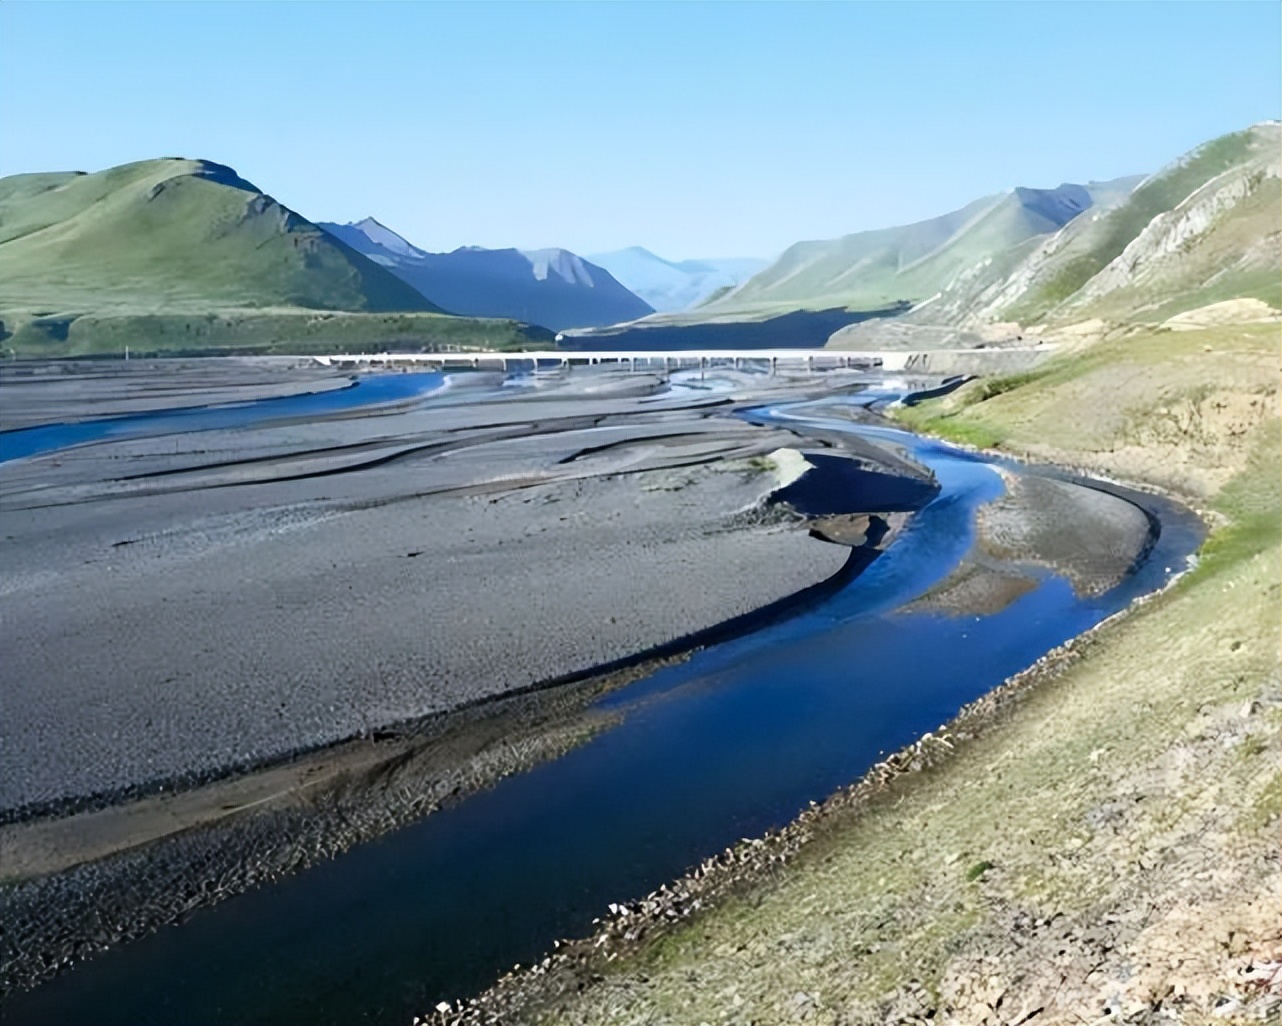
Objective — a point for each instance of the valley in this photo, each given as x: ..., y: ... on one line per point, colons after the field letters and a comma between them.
x: 942, y: 688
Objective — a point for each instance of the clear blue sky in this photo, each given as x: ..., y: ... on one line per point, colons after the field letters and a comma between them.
x: 717, y: 129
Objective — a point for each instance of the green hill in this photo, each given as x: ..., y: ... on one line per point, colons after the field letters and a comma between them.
x: 1202, y: 229
x: 161, y: 250
x: 1205, y: 229
x: 876, y: 269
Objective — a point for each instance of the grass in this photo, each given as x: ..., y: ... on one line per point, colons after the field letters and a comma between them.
x: 951, y: 429
x: 1121, y: 225
x: 977, y: 871
x: 1110, y: 824
x: 256, y: 332
x: 1263, y: 811
x: 1250, y: 504
x: 945, y: 422
x: 990, y: 388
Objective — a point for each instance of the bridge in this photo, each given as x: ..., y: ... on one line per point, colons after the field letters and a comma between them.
x: 996, y: 360
x: 675, y: 359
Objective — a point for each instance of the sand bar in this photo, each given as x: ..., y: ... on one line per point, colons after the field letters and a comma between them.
x: 178, y: 608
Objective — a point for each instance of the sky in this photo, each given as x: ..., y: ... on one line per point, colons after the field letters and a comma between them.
x: 693, y: 129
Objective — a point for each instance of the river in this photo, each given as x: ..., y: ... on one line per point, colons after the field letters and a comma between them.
x: 727, y: 744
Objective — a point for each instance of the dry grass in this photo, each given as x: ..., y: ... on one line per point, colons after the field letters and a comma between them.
x: 1130, y: 800
x: 1173, y: 409
x: 1107, y: 851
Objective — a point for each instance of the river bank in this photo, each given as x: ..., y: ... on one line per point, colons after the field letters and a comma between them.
x: 1095, y: 842
x: 281, y: 835
x: 278, y: 820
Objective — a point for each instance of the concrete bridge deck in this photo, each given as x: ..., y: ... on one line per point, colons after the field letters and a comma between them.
x: 943, y: 361
x: 814, y: 359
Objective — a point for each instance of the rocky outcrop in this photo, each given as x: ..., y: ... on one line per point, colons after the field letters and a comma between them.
x: 1168, y: 240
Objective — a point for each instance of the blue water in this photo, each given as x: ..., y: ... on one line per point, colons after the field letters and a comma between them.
x: 733, y: 741
x: 370, y: 391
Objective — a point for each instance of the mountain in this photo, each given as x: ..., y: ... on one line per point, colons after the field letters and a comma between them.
x: 181, y: 254
x: 857, y: 282
x: 178, y: 233
x: 911, y: 263
x: 1203, y: 230
x: 550, y: 287
x: 675, y: 285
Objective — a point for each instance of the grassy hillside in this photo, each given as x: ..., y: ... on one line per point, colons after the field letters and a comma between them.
x: 127, y: 255
x: 875, y: 269
x: 175, y: 234
x: 1204, y: 230
x: 257, y: 331
x: 1237, y: 256
x: 1067, y: 269
x: 1097, y: 845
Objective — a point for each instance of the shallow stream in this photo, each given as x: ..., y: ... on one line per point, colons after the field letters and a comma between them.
x: 367, y: 392
x: 727, y: 744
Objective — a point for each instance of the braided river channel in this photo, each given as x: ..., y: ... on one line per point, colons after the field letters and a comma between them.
x: 732, y: 741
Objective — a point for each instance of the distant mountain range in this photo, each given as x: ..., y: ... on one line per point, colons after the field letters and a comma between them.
x: 1202, y: 230
x: 910, y: 263
x: 819, y: 287
x: 553, y: 288
x: 181, y: 255
x: 667, y: 285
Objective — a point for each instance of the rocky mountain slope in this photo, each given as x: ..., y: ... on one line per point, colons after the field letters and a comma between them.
x: 171, y: 252
x: 1223, y: 240
x: 910, y: 263
x: 669, y: 285
x: 553, y: 288
x: 1203, y: 230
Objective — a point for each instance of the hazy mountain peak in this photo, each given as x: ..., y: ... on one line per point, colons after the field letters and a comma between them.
x: 1059, y: 205
x: 386, y: 239
x: 552, y: 287
x: 670, y: 286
